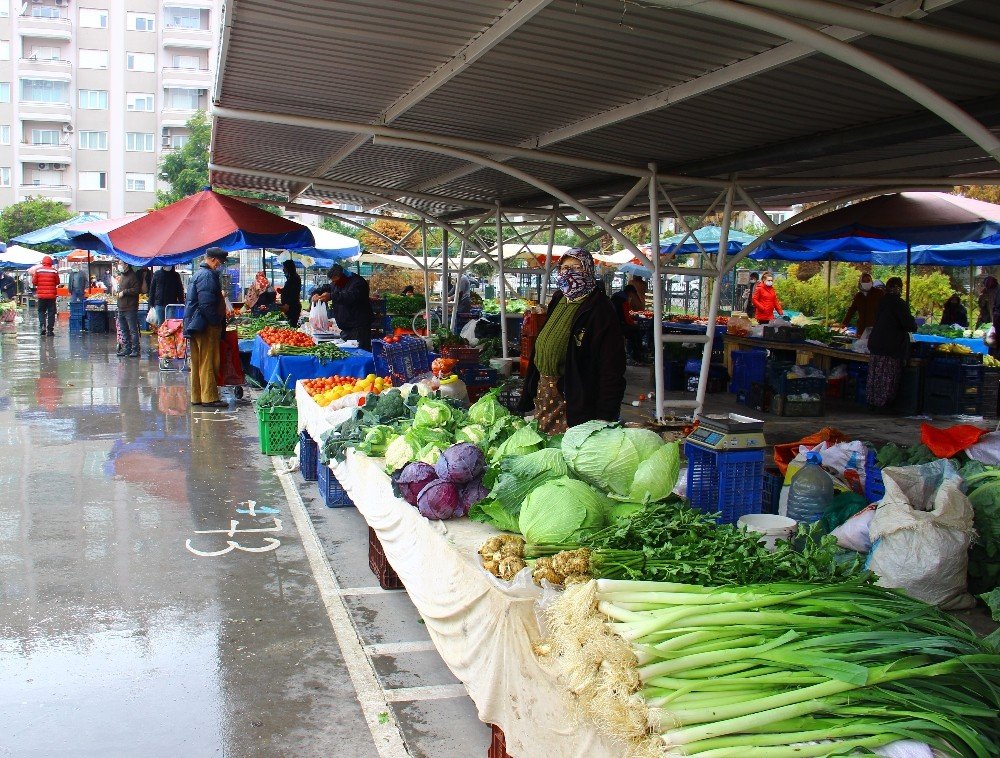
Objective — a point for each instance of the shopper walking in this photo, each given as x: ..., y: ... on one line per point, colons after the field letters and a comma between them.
x: 291, y: 293
x: 765, y: 299
x: 204, y: 319
x: 165, y: 288
x: 129, y: 289
x: 45, y: 280
x: 350, y: 304
x: 888, y: 342
x: 577, y: 368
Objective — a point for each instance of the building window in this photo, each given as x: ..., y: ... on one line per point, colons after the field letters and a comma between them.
x: 138, y: 182
x: 139, y: 101
x: 93, y: 18
x: 140, y: 61
x: 187, y: 62
x: 177, y: 141
x: 5, y: 176
x: 182, y: 99
x: 93, y: 140
x: 4, y: 92
x: 94, y: 99
x: 139, y: 142
x: 92, y: 180
x: 46, y: 177
x: 45, y: 53
x: 44, y: 91
x: 4, y: 49
x: 45, y: 137
x: 5, y: 134
x: 140, y: 22
x: 44, y: 11
x: 185, y: 18
x: 93, y: 58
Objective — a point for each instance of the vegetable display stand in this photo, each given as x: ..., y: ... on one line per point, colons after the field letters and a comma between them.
x: 278, y: 429
x: 401, y: 360
x: 498, y: 744
x: 308, y: 457
x: 334, y: 495
x: 377, y: 562
x: 728, y: 483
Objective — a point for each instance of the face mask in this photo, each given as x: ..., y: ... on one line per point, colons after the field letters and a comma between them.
x: 865, y: 286
x: 768, y: 283
x: 574, y: 283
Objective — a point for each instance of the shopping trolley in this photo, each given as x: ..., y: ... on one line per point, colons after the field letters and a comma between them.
x: 172, y: 345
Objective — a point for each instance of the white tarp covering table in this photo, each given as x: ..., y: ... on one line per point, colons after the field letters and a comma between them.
x: 482, y: 633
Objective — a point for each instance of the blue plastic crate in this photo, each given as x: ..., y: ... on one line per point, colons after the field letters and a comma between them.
x: 477, y: 375
x: 874, y: 486
x: 76, y: 323
x: 401, y: 360
x: 97, y: 321
x: 334, y: 496
x: 749, y: 366
x: 77, y: 309
x: 729, y: 483
x: 771, y: 493
x: 308, y: 457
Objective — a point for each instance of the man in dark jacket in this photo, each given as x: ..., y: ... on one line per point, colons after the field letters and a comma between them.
x: 204, y: 320
x: 349, y: 302
x: 129, y: 289
x: 8, y: 287
x: 165, y: 288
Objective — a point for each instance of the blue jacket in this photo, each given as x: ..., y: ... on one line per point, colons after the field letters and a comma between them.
x: 205, y: 306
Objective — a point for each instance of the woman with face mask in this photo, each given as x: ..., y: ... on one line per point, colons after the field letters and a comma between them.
x: 864, y: 305
x: 165, y: 288
x: 765, y: 299
x: 577, y: 367
x: 888, y: 344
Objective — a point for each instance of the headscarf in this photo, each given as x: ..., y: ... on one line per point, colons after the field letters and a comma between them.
x: 577, y: 284
x: 260, y: 285
x: 989, y: 283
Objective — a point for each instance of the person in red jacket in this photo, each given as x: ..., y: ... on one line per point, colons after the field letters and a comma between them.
x: 46, y: 282
x: 765, y: 299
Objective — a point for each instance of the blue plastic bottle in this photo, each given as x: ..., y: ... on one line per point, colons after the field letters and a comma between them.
x: 810, y: 492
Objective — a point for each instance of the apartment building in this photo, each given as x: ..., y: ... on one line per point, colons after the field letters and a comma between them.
x: 93, y: 92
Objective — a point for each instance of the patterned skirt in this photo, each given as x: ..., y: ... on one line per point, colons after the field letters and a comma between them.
x: 550, y: 406
x: 884, y: 375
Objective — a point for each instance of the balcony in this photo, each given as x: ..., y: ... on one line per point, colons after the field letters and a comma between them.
x: 61, y: 193
x: 45, y: 153
x: 176, y: 36
x: 31, y: 110
x: 50, y: 69
x: 49, y: 28
x: 188, y: 78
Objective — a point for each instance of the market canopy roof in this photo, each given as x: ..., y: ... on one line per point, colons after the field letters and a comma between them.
x: 803, y: 104
x: 56, y: 234
x: 16, y: 256
x: 183, y: 231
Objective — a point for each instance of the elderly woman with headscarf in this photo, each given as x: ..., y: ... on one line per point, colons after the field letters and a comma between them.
x: 577, y: 367
x: 888, y: 344
x: 260, y: 297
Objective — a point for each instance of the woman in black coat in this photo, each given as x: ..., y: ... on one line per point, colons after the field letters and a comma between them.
x: 888, y: 344
x: 291, y: 293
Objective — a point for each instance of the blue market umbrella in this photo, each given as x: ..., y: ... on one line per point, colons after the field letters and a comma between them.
x: 56, y: 234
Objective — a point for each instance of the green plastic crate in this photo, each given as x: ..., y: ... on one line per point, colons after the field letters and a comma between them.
x: 278, y: 427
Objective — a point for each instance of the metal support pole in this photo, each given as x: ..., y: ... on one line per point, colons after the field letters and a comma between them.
x: 657, y: 282
x: 503, y: 285
x: 713, y: 308
x: 458, y: 283
x: 829, y: 282
x: 543, y: 297
x: 908, y: 266
x: 427, y: 275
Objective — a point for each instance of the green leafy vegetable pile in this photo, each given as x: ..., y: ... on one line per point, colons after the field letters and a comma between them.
x: 248, y: 327
x: 276, y: 395
x: 514, y: 305
x: 894, y: 455
x: 403, y: 305
x: 983, y: 487
x: 941, y: 330
x: 445, y: 337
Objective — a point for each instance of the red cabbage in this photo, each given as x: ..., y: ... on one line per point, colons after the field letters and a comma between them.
x: 439, y: 500
x: 461, y: 463
x: 412, y: 478
x: 471, y: 494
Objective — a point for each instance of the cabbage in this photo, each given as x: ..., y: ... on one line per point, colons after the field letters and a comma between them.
x: 621, y: 511
x: 646, y: 441
x: 560, y: 510
x: 520, y: 475
x: 473, y: 433
x: 433, y: 413
x: 377, y: 440
x: 429, y: 453
x: 525, y: 440
x: 487, y: 411
x: 439, y: 500
x: 461, y: 463
x: 412, y: 478
x: 471, y: 494
x: 656, y: 476
x: 489, y: 511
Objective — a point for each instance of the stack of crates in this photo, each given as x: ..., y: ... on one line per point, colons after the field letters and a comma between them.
x: 857, y: 378
x: 953, y: 385
x: 788, y: 391
x: 403, y: 360
x: 991, y: 392
x: 77, y: 316
x: 749, y: 366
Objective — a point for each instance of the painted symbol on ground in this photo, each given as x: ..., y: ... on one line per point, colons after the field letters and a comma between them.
x: 253, y: 510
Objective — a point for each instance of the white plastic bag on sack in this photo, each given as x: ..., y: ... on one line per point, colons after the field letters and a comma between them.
x: 987, y: 450
x: 855, y: 533
x: 469, y: 332
x: 318, y: 318
x: 921, y: 533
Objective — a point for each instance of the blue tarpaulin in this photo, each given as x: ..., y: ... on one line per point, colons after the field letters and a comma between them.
x: 707, y: 236
x: 881, y: 252
x: 56, y: 234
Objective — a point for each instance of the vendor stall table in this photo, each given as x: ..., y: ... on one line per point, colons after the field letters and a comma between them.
x: 291, y: 368
x: 974, y: 344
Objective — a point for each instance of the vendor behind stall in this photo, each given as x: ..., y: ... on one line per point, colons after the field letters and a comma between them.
x: 348, y: 299
x: 864, y: 305
x: 954, y: 312
x: 888, y: 343
x: 290, y: 296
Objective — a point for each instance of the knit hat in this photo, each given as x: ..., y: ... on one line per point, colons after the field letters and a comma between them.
x: 46, y: 261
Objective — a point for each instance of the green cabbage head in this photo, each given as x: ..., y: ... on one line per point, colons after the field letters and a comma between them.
x: 559, y: 510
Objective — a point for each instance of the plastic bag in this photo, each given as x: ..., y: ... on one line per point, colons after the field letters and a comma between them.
x: 991, y: 337
x: 152, y: 319
x: 469, y: 332
x: 921, y: 533
x: 987, y: 450
x: 860, y: 345
x: 855, y: 533
x: 318, y: 318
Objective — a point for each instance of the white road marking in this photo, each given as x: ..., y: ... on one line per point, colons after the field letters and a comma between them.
x: 437, y: 692
x: 373, y: 700
x: 394, y: 648
x: 349, y: 591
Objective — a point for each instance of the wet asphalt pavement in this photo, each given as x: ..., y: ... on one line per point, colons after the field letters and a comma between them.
x: 122, y: 632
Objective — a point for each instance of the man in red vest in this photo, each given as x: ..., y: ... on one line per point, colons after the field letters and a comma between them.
x: 46, y: 281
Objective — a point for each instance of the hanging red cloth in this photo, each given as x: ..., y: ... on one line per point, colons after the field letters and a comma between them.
x: 947, y: 443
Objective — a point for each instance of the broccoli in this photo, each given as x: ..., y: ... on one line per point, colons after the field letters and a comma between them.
x: 381, y: 409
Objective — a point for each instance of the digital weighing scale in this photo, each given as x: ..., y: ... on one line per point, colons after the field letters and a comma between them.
x: 731, y: 432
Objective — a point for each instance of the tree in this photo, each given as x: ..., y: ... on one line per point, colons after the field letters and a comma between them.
x: 29, y: 215
x: 332, y: 224
x: 986, y: 193
x: 394, y: 229
x: 186, y: 170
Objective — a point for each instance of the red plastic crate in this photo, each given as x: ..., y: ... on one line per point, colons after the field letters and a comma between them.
x: 498, y: 745
x: 387, y: 578
x: 461, y: 354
